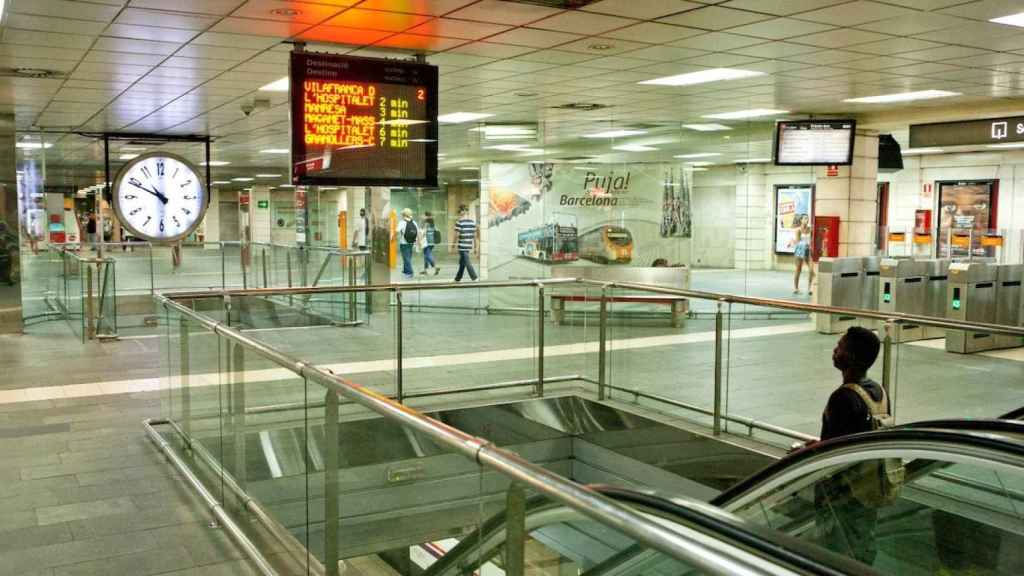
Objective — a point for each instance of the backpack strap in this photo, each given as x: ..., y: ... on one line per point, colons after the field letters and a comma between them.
x: 878, y: 408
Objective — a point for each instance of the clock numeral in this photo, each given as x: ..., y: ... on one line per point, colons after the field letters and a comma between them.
x: 130, y: 197
x: 160, y: 168
x: 161, y: 224
x: 187, y: 182
x: 176, y: 222
x: 189, y: 197
x: 175, y: 172
x: 145, y: 171
x: 135, y: 182
x: 186, y: 211
x: 148, y: 218
x: 135, y: 211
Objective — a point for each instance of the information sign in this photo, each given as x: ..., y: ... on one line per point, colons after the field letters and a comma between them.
x: 968, y: 132
x: 363, y: 121
x: 814, y: 142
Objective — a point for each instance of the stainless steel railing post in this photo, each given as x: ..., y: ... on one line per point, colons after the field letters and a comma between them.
x: 186, y: 394
x: 266, y: 283
x: 238, y: 411
x: 602, y: 352
x: 288, y: 266
x: 717, y: 416
x: 515, y: 531
x: 890, y: 331
x: 223, y: 267
x: 352, y: 307
x: 399, y: 387
x: 90, y: 311
x: 540, y: 341
x: 331, y: 484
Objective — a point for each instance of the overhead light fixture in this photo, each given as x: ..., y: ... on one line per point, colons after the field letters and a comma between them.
x: 215, y: 182
x: 280, y: 85
x: 275, y: 151
x: 703, y: 77
x: 615, y: 134
x: 127, y: 156
x: 700, y: 163
x: 401, y: 122
x: 741, y: 114
x: 1007, y: 145
x: 420, y: 140
x: 268, y: 175
x: 474, y: 168
x: 241, y: 179
x: 33, y: 145
x: 506, y: 132
x: 923, y: 151
x: 752, y: 160
x: 132, y: 149
x: 707, y: 127
x: 326, y: 187
x: 470, y: 180
x: 903, y: 97
x: 289, y: 186
x: 216, y: 163
x: 507, y: 147
x: 1012, y: 19
x: 600, y: 47
x: 699, y: 155
x: 699, y: 169
x: 634, y: 148
x: 460, y: 117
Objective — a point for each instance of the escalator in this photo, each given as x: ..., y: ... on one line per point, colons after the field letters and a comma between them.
x: 956, y: 509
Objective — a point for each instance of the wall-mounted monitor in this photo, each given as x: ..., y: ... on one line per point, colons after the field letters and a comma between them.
x: 362, y: 121
x: 814, y: 142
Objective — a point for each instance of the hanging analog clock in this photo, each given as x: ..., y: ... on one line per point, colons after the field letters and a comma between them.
x: 159, y: 197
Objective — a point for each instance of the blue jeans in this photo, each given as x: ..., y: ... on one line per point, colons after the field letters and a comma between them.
x: 465, y: 265
x: 428, y: 257
x: 406, y: 250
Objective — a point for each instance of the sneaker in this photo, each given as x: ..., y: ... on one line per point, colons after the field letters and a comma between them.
x: 423, y: 273
x: 796, y: 292
x: 437, y: 271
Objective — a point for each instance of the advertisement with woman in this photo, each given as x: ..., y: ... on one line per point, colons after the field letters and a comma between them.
x: 793, y: 218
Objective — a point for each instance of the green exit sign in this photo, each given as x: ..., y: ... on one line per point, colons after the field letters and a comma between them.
x: 956, y: 304
x: 263, y: 204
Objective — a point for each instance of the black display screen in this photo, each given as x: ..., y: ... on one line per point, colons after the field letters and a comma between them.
x: 814, y: 142
x: 362, y: 121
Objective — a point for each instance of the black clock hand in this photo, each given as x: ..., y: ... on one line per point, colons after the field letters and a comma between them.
x: 159, y: 195
x: 154, y: 192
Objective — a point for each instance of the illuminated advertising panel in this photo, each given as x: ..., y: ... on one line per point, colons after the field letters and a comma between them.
x: 363, y: 121
x: 814, y: 142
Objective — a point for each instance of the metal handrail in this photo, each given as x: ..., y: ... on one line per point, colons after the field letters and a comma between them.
x: 897, y: 317
x: 585, y: 500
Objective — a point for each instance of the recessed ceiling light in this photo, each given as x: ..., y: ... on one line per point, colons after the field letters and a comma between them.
x: 274, y: 151
x: 127, y: 156
x: 280, y: 85
x: 1012, y: 19
x: 469, y: 168
x: 242, y: 179
x: 131, y: 149
x: 634, y: 148
x: 707, y: 127
x: 420, y: 140
x: 700, y: 163
x: 216, y: 163
x: 695, y: 169
x: 741, y: 114
x: 1007, y: 145
x: 703, y: 77
x: 33, y: 145
x: 460, y: 117
x: 903, y: 97
x: 326, y: 187
x: 289, y: 186
x: 507, y: 147
x: 615, y: 134
x: 752, y: 160
x: 215, y: 182
x: 700, y: 155
x: 470, y: 180
x: 268, y: 175
x: 923, y: 151
x: 506, y: 132
x: 600, y: 47
x: 289, y: 12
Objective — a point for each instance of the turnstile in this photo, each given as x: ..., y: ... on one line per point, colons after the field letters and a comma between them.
x: 869, y: 289
x: 839, y: 284
x: 1008, y: 302
x: 902, y: 288
x: 970, y: 296
x: 937, y: 276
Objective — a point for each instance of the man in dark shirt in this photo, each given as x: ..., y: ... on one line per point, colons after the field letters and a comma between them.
x: 846, y: 525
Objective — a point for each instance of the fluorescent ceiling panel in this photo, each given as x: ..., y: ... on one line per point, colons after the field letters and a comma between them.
x: 615, y: 134
x: 634, y: 148
x: 903, y: 97
x: 706, y: 127
x: 742, y: 114
x: 699, y: 155
x: 703, y: 77
x: 280, y: 85
x: 1012, y: 19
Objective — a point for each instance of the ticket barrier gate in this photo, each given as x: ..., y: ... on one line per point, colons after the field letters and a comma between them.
x: 840, y: 285
x: 902, y: 288
x: 937, y: 276
x: 971, y: 296
x: 1009, y: 305
x: 869, y: 290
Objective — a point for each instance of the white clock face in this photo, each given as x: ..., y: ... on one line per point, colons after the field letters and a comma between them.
x: 160, y: 197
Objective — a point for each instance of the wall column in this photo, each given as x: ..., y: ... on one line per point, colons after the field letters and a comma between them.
x: 10, y: 232
x: 853, y: 196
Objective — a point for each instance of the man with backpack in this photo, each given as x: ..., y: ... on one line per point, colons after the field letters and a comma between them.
x: 848, y: 504
x: 407, y: 236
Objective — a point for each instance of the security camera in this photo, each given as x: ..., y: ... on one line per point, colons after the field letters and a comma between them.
x: 247, y: 108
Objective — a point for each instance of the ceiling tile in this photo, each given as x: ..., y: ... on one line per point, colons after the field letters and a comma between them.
x: 498, y: 12
x: 942, y: 53
x: 781, y: 7
x: 41, y: 52
x: 194, y: 50
x: 58, y: 25
x: 926, y: 4
x: 714, y: 18
x: 165, y: 19
x: 664, y: 53
x: 533, y: 37
x: 234, y: 40
x: 452, y: 28
x: 840, y: 38
x: 377, y: 20
x: 894, y: 46
x: 64, y: 9
x: 430, y: 7
x: 491, y: 50
x: 341, y: 35
x: 418, y: 42
x: 282, y: 10
x: 721, y: 60
x: 911, y: 24
x: 135, y: 58
x: 826, y: 57
x: 717, y: 41
x: 653, y: 32
x: 578, y: 21
x: 774, y: 50
x: 249, y: 26
x: 617, y: 63
x: 646, y: 10
x: 34, y: 38
x: 853, y: 13
x: 557, y: 57
x: 779, y: 28
x: 200, y: 63
x: 985, y: 9
x: 218, y: 7
x: 141, y: 46
x: 601, y: 47
x: 140, y: 32
x: 987, y: 60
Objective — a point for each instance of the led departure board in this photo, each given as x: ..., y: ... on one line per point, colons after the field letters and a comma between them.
x: 814, y: 142
x: 363, y: 121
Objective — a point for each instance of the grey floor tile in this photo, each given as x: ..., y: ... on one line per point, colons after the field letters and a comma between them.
x: 84, y: 510
x: 164, y: 559
x: 33, y: 536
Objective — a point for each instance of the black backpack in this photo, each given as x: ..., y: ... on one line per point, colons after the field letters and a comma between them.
x: 410, y: 232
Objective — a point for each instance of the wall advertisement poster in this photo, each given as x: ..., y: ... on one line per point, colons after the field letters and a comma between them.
x: 793, y: 205
x: 967, y: 209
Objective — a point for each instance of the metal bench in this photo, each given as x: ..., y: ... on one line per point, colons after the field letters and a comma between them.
x: 676, y: 277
